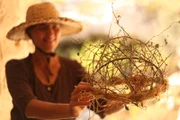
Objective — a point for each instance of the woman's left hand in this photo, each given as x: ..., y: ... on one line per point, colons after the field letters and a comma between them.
x: 81, y: 97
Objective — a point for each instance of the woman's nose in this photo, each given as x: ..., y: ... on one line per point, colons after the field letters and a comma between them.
x: 50, y: 32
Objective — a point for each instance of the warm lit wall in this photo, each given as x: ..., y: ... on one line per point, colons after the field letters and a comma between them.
x: 142, y: 19
x: 11, y: 13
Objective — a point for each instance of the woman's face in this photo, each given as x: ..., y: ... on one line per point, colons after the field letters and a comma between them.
x: 45, y: 36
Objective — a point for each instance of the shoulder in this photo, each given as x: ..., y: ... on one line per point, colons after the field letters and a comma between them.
x: 18, y: 64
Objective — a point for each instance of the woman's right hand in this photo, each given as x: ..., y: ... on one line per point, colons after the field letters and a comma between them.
x: 80, y: 98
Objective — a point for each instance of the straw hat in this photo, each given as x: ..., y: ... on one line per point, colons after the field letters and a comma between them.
x: 43, y: 13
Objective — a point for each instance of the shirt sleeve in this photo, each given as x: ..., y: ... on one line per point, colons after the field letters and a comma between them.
x: 18, y: 84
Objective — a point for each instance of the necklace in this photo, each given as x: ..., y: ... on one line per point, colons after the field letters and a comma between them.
x: 49, y: 88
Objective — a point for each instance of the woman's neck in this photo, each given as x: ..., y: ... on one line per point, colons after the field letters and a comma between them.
x: 41, y: 59
x: 46, y: 67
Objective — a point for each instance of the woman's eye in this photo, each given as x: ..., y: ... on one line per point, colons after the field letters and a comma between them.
x: 56, y: 27
x: 42, y: 27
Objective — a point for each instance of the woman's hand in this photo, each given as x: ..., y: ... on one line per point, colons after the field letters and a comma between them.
x: 80, y: 98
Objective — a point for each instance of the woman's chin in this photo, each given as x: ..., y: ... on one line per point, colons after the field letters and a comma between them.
x: 49, y: 49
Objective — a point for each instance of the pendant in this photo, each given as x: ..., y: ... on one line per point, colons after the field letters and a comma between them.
x: 49, y: 88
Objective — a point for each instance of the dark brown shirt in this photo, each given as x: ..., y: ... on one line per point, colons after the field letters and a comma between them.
x: 24, y: 85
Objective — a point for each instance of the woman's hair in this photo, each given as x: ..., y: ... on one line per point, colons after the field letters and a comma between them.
x: 28, y: 30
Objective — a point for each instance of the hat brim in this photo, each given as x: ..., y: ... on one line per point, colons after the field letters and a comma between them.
x: 68, y: 27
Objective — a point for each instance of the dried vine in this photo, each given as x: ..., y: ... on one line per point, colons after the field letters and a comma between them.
x: 125, y: 70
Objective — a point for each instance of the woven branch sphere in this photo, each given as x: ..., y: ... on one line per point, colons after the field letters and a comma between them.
x: 125, y: 69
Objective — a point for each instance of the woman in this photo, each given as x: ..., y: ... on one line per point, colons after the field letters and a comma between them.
x: 42, y: 85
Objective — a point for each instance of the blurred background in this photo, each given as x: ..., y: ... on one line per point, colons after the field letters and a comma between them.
x: 157, y: 20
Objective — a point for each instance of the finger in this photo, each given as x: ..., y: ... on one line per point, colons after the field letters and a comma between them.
x: 86, y: 96
x: 80, y: 103
x: 83, y: 83
x: 74, y: 97
x: 82, y: 88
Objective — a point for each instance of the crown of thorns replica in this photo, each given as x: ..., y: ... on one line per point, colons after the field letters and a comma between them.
x: 125, y: 70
